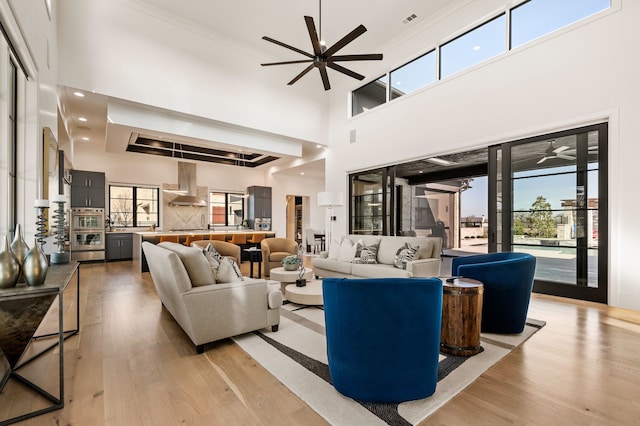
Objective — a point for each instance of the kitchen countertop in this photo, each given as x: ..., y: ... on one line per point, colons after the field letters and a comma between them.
x: 200, y: 232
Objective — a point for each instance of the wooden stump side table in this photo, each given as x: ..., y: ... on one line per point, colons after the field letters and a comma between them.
x: 461, y: 316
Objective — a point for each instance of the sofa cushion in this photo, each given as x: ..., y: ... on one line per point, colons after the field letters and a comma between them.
x: 226, y: 272
x: 378, y: 271
x: 347, y: 251
x: 389, y: 247
x: 367, y: 240
x: 334, y: 250
x: 194, y: 262
x: 405, y: 254
x: 332, y: 265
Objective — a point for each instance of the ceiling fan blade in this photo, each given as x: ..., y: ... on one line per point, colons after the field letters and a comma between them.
x: 360, y: 29
x: 301, y: 61
x: 565, y: 157
x: 560, y: 149
x: 365, y: 57
x: 343, y: 70
x: 299, y: 76
x: 542, y: 160
x: 313, y: 35
x: 325, y: 77
x: 279, y: 43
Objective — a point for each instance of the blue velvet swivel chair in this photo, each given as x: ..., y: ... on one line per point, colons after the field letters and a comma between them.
x: 383, y: 336
x: 508, y: 281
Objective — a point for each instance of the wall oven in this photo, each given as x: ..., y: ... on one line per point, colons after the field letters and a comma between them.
x: 87, y: 234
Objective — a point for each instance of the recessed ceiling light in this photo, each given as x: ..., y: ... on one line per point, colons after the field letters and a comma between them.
x: 84, y: 138
x: 301, y: 173
x: 476, y: 48
x: 318, y: 146
x: 421, y: 172
x: 79, y: 94
x: 82, y: 119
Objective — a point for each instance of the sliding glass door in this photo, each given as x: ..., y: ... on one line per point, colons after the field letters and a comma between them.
x: 548, y: 198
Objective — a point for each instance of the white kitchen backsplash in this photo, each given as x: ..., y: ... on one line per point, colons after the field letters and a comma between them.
x: 183, y: 217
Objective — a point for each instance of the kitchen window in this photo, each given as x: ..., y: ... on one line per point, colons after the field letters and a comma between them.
x: 227, y: 209
x: 133, y: 206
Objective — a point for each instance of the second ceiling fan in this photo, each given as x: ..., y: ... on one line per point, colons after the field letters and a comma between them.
x: 323, y: 57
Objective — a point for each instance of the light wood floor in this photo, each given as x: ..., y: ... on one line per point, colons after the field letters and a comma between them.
x: 132, y: 365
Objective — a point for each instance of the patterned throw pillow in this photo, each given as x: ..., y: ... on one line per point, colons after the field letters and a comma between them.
x: 405, y: 254
x: 369, y: 255
x: 236, y: 269
x: 211, y: 251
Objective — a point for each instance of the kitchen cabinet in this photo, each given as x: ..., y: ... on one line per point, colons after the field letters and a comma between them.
x: 119, y: 246
x: 87, y: 189
x: 258, y: 203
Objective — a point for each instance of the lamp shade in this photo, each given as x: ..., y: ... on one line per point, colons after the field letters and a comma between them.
x: 330, y: 199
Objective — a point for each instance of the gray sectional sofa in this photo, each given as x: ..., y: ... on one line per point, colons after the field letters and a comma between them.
x: 426, y: 262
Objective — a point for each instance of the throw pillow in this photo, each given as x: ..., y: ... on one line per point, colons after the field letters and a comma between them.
x: 194, y: 262
x: 334, y: 250
x: 347, y: 251
x: 213, y: 252
x: 236, y: 269
x: 226, y: 272
x: 405, y: 254
x: 369, y: 255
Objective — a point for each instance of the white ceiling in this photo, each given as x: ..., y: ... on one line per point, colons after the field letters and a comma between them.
x: 244, y: 22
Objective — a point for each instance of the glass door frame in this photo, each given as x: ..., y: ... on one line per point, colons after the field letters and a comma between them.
x: 387, y: 199
x: 500, y: 210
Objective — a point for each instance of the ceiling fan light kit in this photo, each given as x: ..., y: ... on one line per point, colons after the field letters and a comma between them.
x: 323, y: 57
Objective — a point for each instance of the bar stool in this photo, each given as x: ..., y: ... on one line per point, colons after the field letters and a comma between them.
x: 256, y: 239
x: 170, y: 238
x: 191, y: 238
x: 239, y: 239
x: 218, y: 237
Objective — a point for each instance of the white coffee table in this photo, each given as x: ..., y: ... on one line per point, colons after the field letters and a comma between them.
x: 310, y: 294
x: 287, y: 277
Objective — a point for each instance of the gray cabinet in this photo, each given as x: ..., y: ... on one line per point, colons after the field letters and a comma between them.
x: 119, y: 246
x: 258, y: 203
x: 87, y: 189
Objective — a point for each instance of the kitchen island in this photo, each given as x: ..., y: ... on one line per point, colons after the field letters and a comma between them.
x: 140, y: 262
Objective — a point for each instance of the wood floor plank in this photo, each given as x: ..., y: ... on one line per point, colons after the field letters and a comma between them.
x: 132, y: 365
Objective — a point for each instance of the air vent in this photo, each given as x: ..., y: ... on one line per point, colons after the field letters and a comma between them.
x: 84, y: 128
x: 409, y: 18
x: 352, y: 136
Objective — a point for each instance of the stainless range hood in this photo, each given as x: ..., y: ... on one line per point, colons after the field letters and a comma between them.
x: 187, y: 187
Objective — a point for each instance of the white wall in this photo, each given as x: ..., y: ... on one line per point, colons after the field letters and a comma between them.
x: 283, y: 185
x: 31, y: 31
x: 578, y: 76
x: 133, y: 54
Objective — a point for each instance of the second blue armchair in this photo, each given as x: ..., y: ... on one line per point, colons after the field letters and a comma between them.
x: 508, y: 281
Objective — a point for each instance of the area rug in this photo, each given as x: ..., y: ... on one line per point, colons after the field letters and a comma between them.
x: 296, y: 355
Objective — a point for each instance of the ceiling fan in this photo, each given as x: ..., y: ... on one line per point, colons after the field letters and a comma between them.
x: 553, y: 152
x: 323, y: 57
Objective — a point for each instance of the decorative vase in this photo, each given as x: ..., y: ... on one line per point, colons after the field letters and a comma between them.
x: 20, y: 249
x: 290, y: 266
x: 35, y: 266
x: 9, y: 266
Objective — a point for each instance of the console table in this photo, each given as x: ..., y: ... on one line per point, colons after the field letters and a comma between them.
x: 23, y: 308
